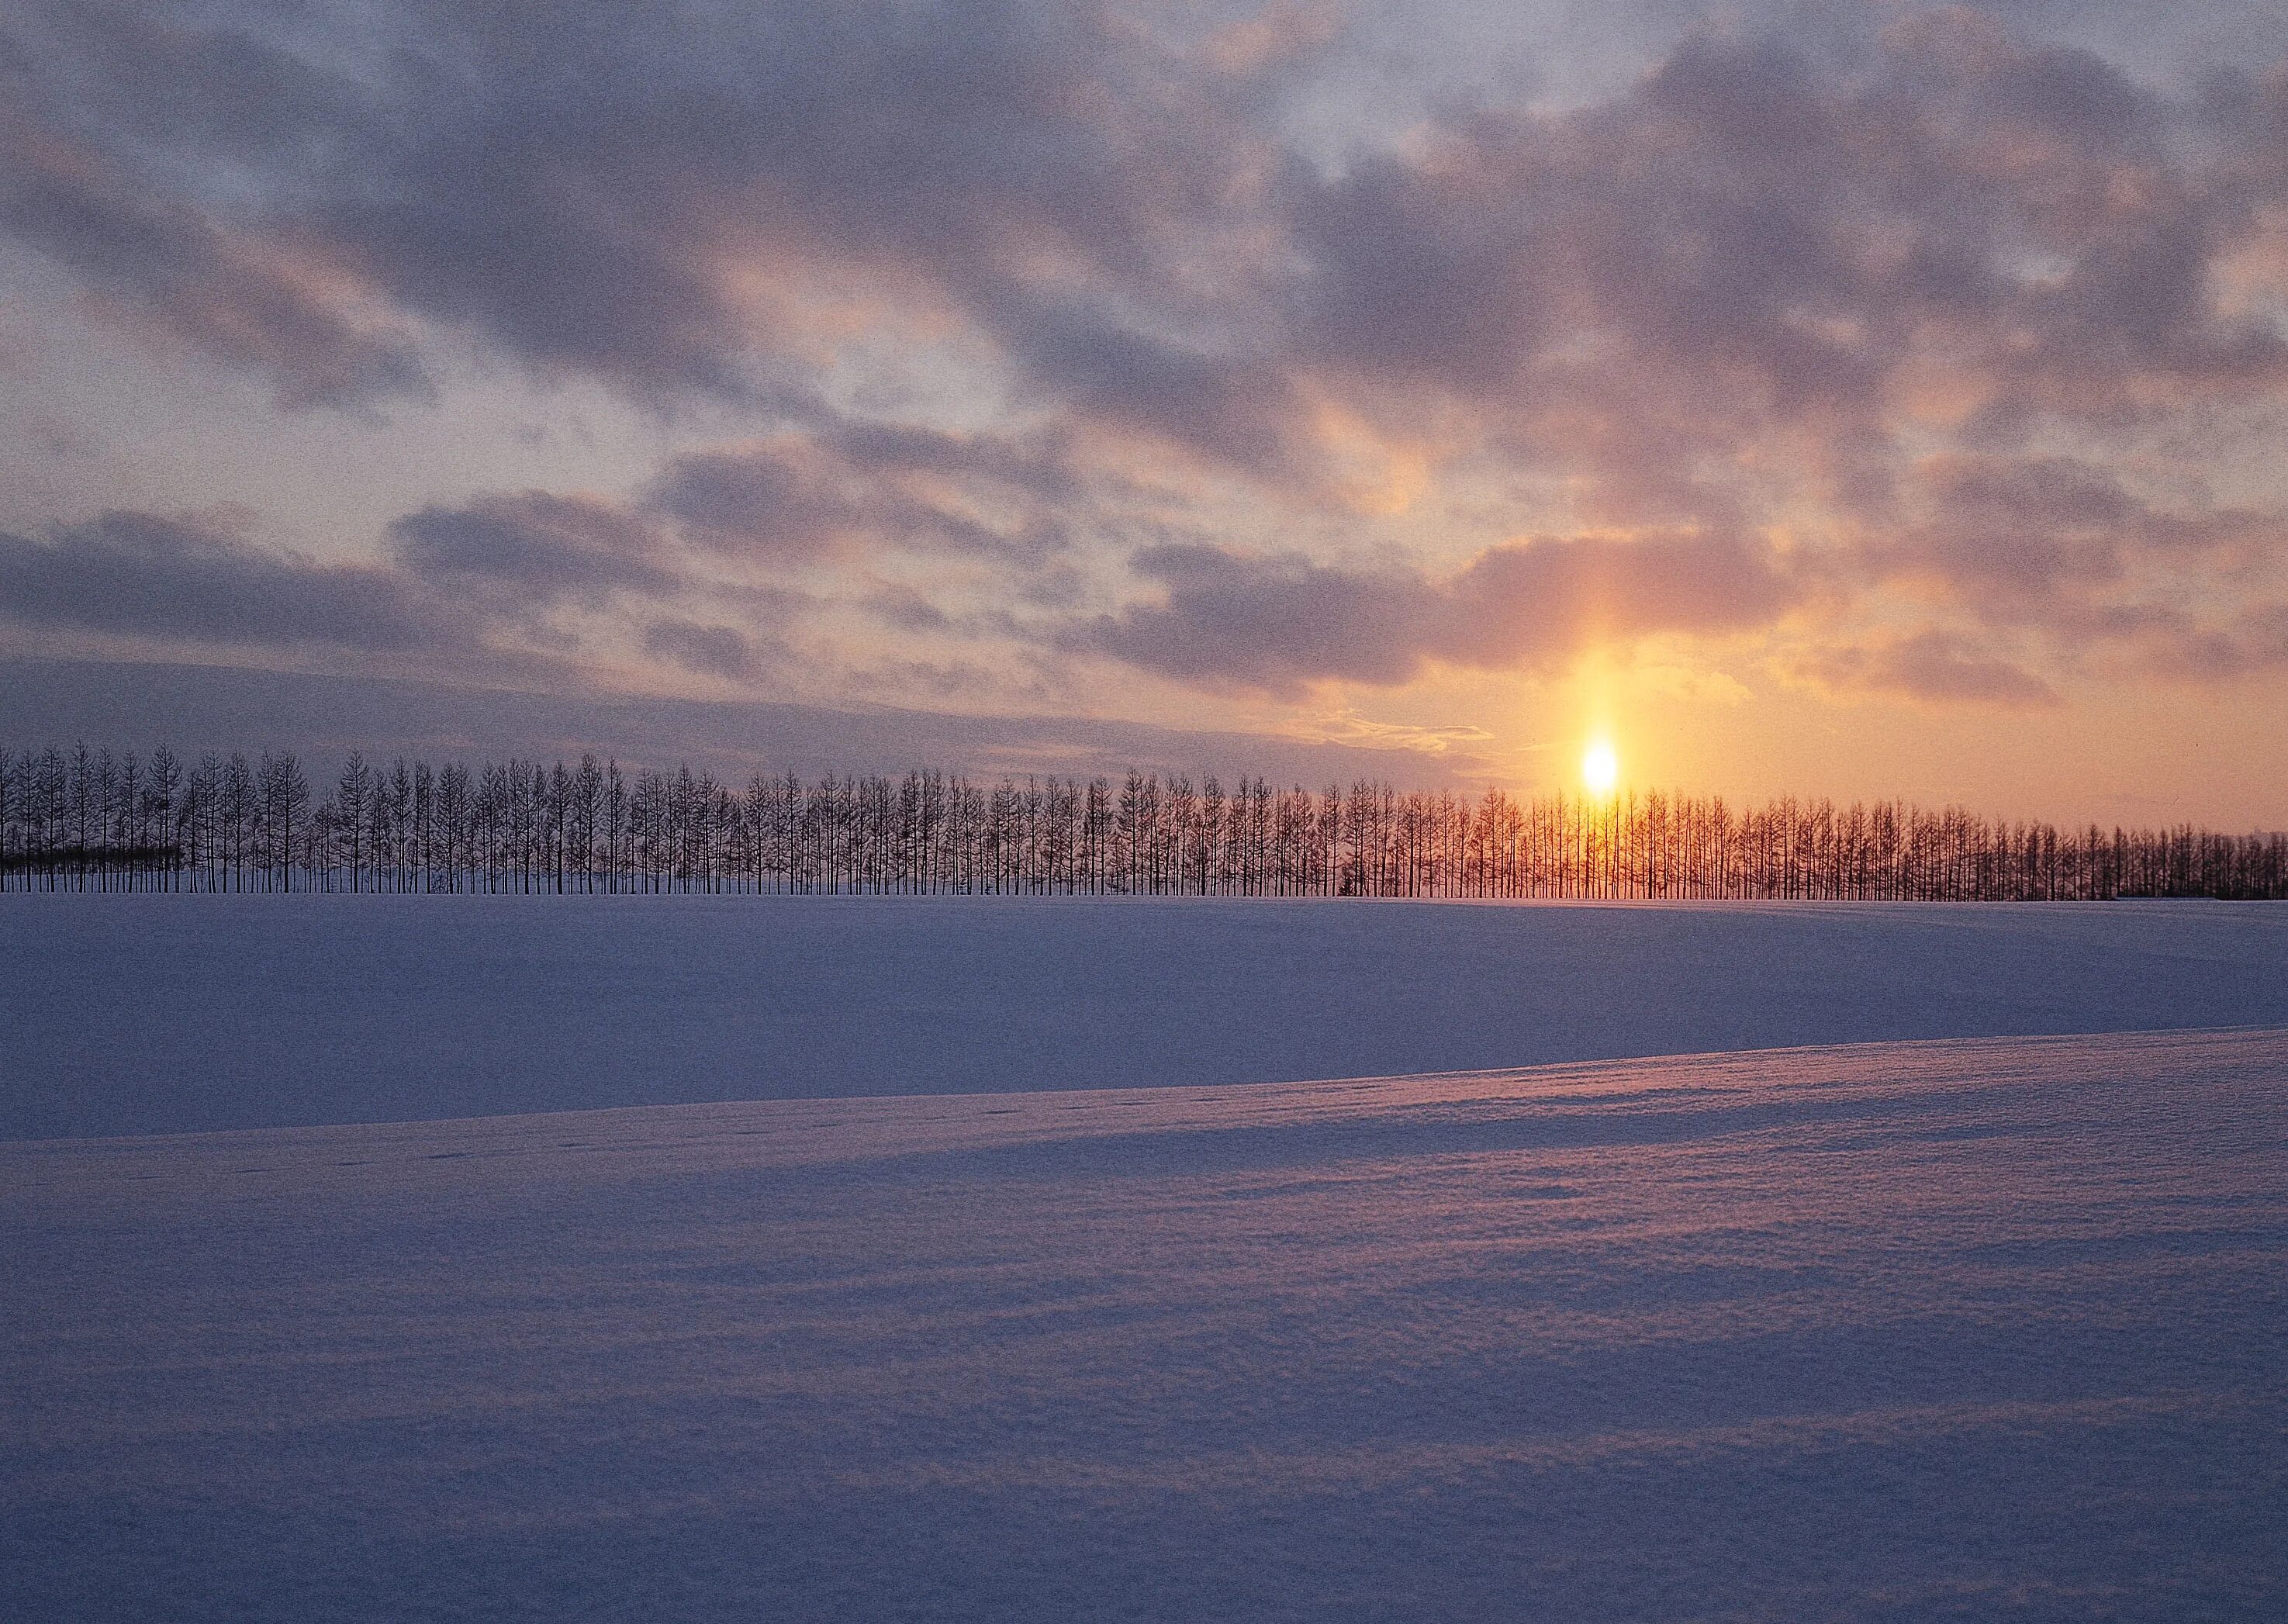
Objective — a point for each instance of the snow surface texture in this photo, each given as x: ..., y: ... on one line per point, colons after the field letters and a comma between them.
x: 146, y: 1014
x: 1987, y: 1330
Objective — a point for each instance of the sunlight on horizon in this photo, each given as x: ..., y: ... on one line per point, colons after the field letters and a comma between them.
x: 1600, y: 768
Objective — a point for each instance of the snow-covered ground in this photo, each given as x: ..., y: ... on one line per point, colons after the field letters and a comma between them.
x: 1005, y: 1259
x: 140, y: 1014
x: 1981, y: 1330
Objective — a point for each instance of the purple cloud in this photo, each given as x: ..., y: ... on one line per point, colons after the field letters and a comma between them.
x: 1925, y: 305
x: 197, y: 580
x: 1938, y: 667
x: 533, y: 548
x: 1281, y: 624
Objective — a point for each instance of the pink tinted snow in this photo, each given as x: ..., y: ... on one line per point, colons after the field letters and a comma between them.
x: 1984, y: 1329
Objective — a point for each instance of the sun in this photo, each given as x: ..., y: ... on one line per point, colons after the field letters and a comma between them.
x: 1600, y: 769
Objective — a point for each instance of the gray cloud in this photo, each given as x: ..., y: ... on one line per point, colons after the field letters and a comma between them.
x: 325, y: 714
x: 1271, y: 624
x: 1748, y: 249
x: 1860, y: 285
x: 710, y: 651
x: 2023, y: 528
x: 1746, y: 235
x: 590, y: 190
x: 192, y: 580
x: 461, y: 597
x: 269, y: 306
x: 2254, y: 640
x: 530, y: 550
x: 1279, y: 624
x: 851, y: 483
x: 2062, y: 549
x: 761, y: 501
x: 1936, y: 666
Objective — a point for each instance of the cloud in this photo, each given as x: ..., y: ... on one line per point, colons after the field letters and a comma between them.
x: 851, y: 486
x: 1272, y: 623
x: 769, y: 500
x: 1946, y: 310
x: 1937, y: 666
x: 667, y: 200
x: 532, y: 549
x: 2027, y: 529
x: 710, y: 651
x: 502, y: 578
x: 659, y: 200
x: 1749, y: 253
x: 284, y: 307
x: 2064, y: 551
x: 1281, y: 624
x: 2254, y: 640
x: 197, y: 580
x: 464, y: 596
x: 321, y: 713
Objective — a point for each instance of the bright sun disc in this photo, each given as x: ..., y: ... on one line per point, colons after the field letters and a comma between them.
x: 1600, y: 769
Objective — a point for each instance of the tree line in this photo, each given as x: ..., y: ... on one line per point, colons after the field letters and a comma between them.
x: 103, y: 820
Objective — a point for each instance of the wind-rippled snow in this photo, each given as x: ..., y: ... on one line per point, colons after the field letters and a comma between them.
x: 1986, y: 1330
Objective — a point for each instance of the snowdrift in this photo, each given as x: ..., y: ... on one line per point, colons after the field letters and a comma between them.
x: 1983, y: 1330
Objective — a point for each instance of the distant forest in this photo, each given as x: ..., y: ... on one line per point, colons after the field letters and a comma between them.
x: 86, y: 820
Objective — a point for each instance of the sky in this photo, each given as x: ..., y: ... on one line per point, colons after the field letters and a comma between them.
x: 1863, y: 400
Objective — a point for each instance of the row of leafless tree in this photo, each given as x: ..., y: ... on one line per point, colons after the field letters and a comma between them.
x: 97, y: 819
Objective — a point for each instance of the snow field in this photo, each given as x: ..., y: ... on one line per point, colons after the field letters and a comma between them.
x: 1986, y: 1330
x: 154, y: 1014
